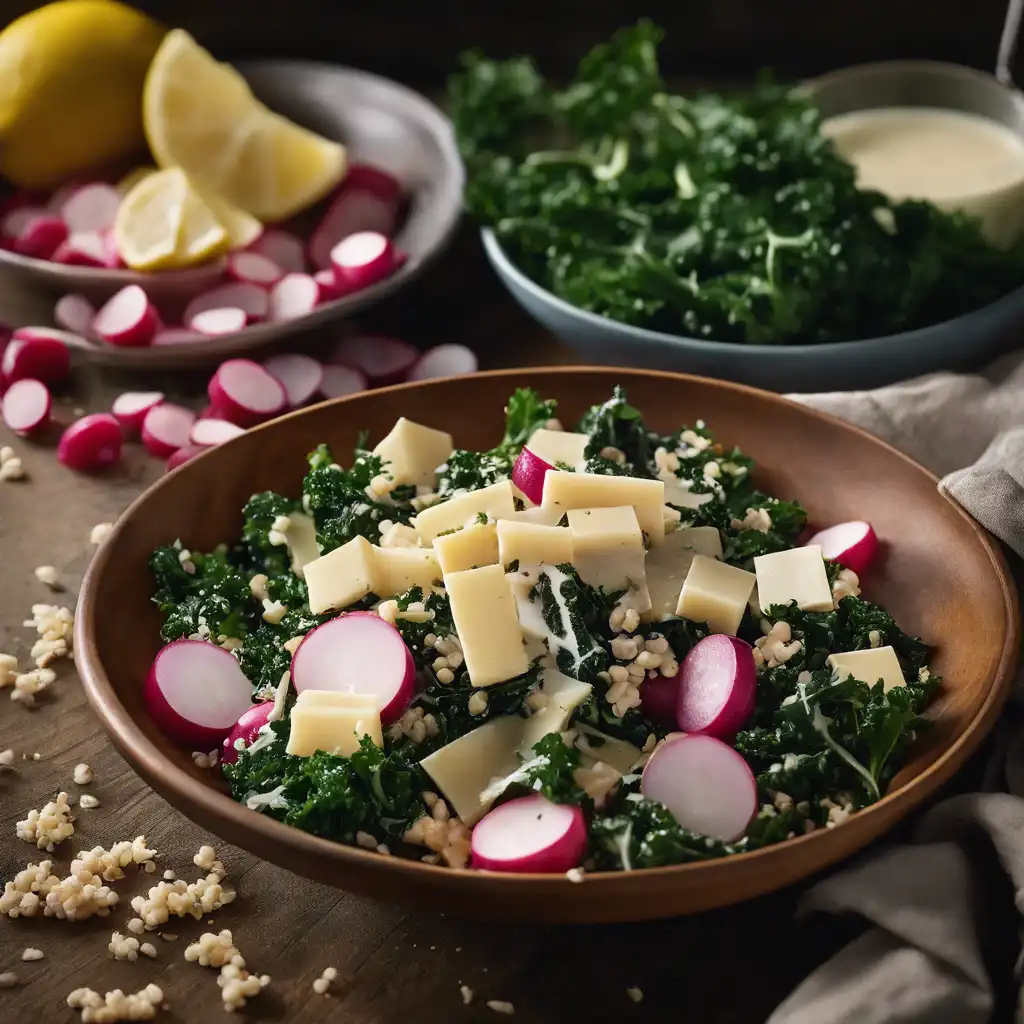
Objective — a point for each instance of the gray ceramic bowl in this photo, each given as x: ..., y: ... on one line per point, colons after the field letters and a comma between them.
x: 963, y: 343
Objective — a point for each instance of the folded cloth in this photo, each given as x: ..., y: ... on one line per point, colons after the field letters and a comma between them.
x: 922, y: 959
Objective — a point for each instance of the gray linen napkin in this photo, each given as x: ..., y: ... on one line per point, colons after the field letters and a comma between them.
x: 922, y: 959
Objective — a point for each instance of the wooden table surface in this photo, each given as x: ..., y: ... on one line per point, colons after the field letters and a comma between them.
x: 394, y: 964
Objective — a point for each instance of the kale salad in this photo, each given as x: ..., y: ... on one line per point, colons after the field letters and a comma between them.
x: 728, y: 218
x: 592, y: 647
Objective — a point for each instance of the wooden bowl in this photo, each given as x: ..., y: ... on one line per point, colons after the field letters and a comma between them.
x: 942, y: 576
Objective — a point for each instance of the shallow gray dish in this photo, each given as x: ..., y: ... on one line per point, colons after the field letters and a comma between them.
x: 963, y: 343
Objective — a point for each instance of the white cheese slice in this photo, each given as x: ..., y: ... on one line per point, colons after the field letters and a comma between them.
x: 603, y: 530
x: 301, y: 540
x: 608, y: 551
x: 678, y: 492
x: 539, y: 516
x: 464, y: 768
x: 558, y: 446
x: 715, y: 593
x: 399, y: 569
x: 336, y: 699
x: 532, y: 544
x: 794, y: 575
x: 414, y: 452
x: 668, y: 564
x: 564, y: 491
x: 487, y: 623
x: 494, y: 501
x: 473, y: 545
x: 869, y: 666
x: 531, y: 619
x: 342, y: 576
x: 564, y: 694
x: 595, y: 745
x: 336, y: 730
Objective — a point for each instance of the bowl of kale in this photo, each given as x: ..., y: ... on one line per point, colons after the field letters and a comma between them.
x: 722, y: 235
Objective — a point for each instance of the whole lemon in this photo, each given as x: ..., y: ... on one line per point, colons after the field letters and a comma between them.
x: 71, y: 77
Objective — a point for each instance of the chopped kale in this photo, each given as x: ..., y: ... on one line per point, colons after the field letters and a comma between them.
x: 259, y: 514
x: 617, y: 424
x: 574, y: 614
x: 550, y: 771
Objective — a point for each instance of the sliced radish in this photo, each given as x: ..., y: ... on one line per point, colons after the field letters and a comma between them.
x: 245, y: 729
x: 41, y: 238
x: 528, y: 474
x: 282, y: 248
x: 177, y: 336
x: 74, y: 313
x: 853, y: 545
x: 196, y: 693
x: 208, y: 432
x: 355, y: 209
x: 659, y: 697
x: 295, y: 295
x: 166, y: 428
x: 131, y: 407
x: 706, y: 785
x: 717, y: 681
x: 250, y: 297
x: 329, y: 287
x: 254, y: 268
x: 91, y: 208
x: 357, y: 653
x: 300, y: 376
x: 339, y: 381
x: 444, y: 361
x: 212, y: 323
x: 182, y: 455
x: 373, y: 179
x: 58, y: 198
x: 85, y: 249
x: 17, y: 220
x: 383, y: 360
x: 363, y: 259
x: 243, y: 392
x: 91, y: 443
x: 26, y: 406
x: 32, y: 352
x: 530, y: 835
x: 128, y: 319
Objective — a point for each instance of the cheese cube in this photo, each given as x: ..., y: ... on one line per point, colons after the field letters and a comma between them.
x: 595, y: 745
x: 566, y: 491
x: 495, y: 502
x: 558, y: 446
x: 398, y: 569
x: 336, y: 730
x: 301, y: 539
x: 668, y: 564
x: 473, y: 545
x: 715, y: 593
x: 608, y: 551
x: 678, y: 492
x: 604, y: 530
x: 414, y: 452
x: 485, y: 617
x: 531, y: 544
x: 342, y: 576
x: 869, y: 666
x: 462, y: 769
x: 336, y: 699
x: 795, y: 575
x: 538, y: 515
x: 564, y: 694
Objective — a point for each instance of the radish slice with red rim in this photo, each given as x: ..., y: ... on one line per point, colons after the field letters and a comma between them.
x: 254, y: 268
x: 210, y: 431
x: 91, y: 443
x: 196, y: 692
x: 41, y: 238
x: 530, y: 835
x: 84, y: 249
x: 166, y: 428
x: 295, y: 295
x: 354, y: 210
x: 704, y: 783
x: 300, y: 376
x: 717, y: 683
x: 339, y: 381
x: 444, y: 361
x: 329, y: 287
x: 236, y: 295
x: 383, y: 360
x: 659, y: 698
x: 32, y: 353
x: 357, y: 652
x: 131, y: 407
x: 182, y: 455
x: 91, y: 208
x: 363, y: 259
x: 243, y: 392
x: 74, y: 313
x: 853, y: 545
x: 373, y: 179
x: 283, y: 248
x: 26, y: 406
x: 128, y: 319
x: 528, y: 474
x: 245, y: 729
x: 212, y: 323
x: 17, y: 220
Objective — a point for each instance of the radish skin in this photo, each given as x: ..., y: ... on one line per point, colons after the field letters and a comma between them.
x: 248, y: 297
x: 41, y: 238
x: 339, y: 381
x: 444, y: 361
x: 282, y: 248
x: 329, y: 287
x: 530, y: 835
x: 128, y: 319
x: 300, y: 376
x: 373, y: 179
x: 74, y: 313
x: 254, y: 268
x: 196, y: 692
x: 853, y: 545
x: 245, y: 729
x: 212, y: 323
x: 166, y: 428
x: 26, y: 406
x: 131, y: 407
x: 363, y: 259
x: 659, y: 698
x: 354, y: 209
x: 717, y: 683
x: 358, y: 652
x: 91, y: 443
x: 528, y: 474
x: 85, y: 249
x: 383, y: 360
x: 211, y: 431
x: 181, y: 456
x: 31, y: 353
x: 244, y: 393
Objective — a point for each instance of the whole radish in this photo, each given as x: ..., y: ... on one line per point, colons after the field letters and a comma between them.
x: 26, y: 406
x: 853, y: 545
x: 530, y: 835
x: 91, y: 443
x: 128, y: 319
x: 244, y: 393
x: 717, y: 683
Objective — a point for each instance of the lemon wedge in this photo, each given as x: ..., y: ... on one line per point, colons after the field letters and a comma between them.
x: 243, y: 228
x: 132, y: 178
x: 201, y: 116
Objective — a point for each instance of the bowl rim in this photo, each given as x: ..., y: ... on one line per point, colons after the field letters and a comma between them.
x: 150, y: 761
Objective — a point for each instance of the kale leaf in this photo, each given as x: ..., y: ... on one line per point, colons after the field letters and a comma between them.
x: 550, y: 771
x: 259, y: 514
x: 574, y: 614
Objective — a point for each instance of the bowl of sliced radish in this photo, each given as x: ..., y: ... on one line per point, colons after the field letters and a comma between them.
x: 533, y: 652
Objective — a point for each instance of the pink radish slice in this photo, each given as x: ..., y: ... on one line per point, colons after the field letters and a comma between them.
x: 355, y: 209
x: 329, y: 287
x: 31, y: 353
x: 363, y: 259
x: 373, y: 179
x: 716, y: 686
x: 528, y: 474
x: 254, y: 268
x: 91, y: 208
x: 383, y: 360
x: 706, y: 785
x: 444, y: 361
x: 166, y: 428
x: 196, y: 693
x: 128, y: 319
x: 853, y: 545
x: 131, y: 407
x: 530, y: 835
x: 85, y: 249
x: 74, y: 313
x: 659, y: 697
x: 176, y: 336
x: 91, y: 443
x: 295, y: 295
x: 57, y: 199
x: 182, y: 455
x: 208, y: 432
x: 357, y: 653
x: 245, y: 729
x: 244, y: 393
x: 282, y: 248
x: 300, y: 376
x: 17, y: 220
x: 249, y: 297
x: 212, y: 323
x: 41, y: 238
x: 26, y: 406
x: 339, y: 381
